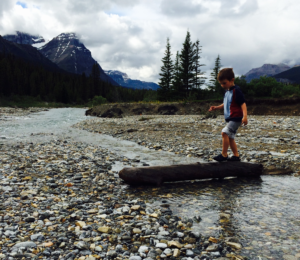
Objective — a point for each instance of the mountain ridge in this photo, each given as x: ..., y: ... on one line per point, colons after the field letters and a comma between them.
x: 289, y: 76
x: 123, y: 80
x: 69, y: 53
x: 266, y: 70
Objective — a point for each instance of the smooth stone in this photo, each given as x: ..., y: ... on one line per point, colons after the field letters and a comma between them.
x: 234, y: 245
x: 161, y: 245
x: 136, y: 231
x: 143, y: 249
x: 104, y: 229
x: 173, y: 244
x: 135, y: 258
x: 24, y: 244
x: 212, y: 248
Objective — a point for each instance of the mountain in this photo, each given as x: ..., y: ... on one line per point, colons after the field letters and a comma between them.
x: 123, y: 80
x: 289, y: 76
x: 70, y: 54
x: 28, y: 53
x: 24, y: 38
x: 266, y: 70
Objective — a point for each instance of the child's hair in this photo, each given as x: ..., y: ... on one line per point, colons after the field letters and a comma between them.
x: 226, y: 73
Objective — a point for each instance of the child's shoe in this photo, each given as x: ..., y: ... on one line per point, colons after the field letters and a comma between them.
x: 234, y: 159
x: 220, y: 158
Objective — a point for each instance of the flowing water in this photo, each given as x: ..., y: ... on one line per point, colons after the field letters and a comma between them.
x: 264, y: 212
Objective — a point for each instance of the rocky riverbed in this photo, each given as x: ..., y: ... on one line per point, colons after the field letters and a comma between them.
x: 270, y: 140
x: 8, y: 113
x: 62, y: 200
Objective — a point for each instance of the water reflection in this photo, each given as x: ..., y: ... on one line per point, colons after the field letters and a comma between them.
x: 263, y: 213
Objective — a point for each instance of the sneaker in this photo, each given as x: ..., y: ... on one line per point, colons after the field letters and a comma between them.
x: 234, y: 159
x: 220, y: 158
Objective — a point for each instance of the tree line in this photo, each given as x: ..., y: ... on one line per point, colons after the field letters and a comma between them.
x: 182, y: 78
x: 19, y: 77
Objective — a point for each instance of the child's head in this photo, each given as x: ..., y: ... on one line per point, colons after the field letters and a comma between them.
x: 226, y: 78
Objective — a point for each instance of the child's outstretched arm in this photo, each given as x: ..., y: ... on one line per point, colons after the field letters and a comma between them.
x: 216, y: 107
x: 245, y: 119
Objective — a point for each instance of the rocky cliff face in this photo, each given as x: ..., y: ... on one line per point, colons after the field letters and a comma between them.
x: 266, y: 70
x: 123, y: 80
x: 70, y: 54
x: 24, y: 38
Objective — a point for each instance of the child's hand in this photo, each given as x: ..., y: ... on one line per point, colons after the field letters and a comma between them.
x: 212, y: 108
x: 245, y: 121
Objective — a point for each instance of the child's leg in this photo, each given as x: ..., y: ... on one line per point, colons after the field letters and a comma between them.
x: 226, y: 144
x: 233, y: 147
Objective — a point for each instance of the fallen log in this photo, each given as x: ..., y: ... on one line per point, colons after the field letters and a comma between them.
x: 159, y: 174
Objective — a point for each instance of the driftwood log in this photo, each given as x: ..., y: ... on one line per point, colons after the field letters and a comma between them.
x: 159, y: 174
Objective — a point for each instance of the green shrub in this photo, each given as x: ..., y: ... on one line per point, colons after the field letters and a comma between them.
x: 97, y: 101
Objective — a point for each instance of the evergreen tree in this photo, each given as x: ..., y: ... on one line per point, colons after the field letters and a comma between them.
x: 166, y: 73
x: 214, y: 84
x: 176, y: 83
x: 187, y: 58
x: 198, y: 80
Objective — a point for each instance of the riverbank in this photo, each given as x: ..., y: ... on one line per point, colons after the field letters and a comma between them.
x: 280, y: 107
x: 60, y: 197
x: 62, y: 200
x: 7, y: 113
x: 270, y: 140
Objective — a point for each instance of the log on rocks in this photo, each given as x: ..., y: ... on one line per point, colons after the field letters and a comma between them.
x: 159, y: 174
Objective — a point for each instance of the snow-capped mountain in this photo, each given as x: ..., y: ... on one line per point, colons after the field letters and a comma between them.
x: 122, y: 79
x: 266, y: 70
x: 24, y: 38
x: 70, y: 54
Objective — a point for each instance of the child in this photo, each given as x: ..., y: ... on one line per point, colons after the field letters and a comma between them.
x: 235, y: 112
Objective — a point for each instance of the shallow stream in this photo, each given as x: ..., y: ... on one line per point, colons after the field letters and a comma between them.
x: 265, y: 212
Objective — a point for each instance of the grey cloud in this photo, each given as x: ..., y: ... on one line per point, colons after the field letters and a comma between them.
x: 234, y: 8
x: 136, y: 41
x: 92, y: 6
x: 179, y: 8
x: 5, y: 6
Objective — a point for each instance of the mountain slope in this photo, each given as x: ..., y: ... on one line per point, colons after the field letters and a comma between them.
x: 27, y: 53
x: 291, y: 75
x: 24, y: 38
x: 266, y: 70
x: 123, y: 80
x: 70, y: 54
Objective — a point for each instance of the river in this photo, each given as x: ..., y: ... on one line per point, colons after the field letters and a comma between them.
x: 264, y: 212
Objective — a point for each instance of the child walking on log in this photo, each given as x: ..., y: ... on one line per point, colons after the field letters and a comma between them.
x: 235, y: 113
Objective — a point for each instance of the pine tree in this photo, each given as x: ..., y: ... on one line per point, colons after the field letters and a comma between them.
x: 198, y: 79
x: 176, y: 83
x: 187, y: 58
x: 166, y: 73
x: 214, y: 84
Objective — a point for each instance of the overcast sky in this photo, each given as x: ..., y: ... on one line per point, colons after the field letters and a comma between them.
x: 130, y: 35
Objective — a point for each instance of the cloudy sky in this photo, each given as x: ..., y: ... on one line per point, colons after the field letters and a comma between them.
x: 130, y: 35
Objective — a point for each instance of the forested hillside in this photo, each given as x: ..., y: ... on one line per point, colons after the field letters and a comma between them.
x: 20, y: 77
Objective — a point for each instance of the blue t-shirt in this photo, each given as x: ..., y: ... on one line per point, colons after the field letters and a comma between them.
x: 233, y: 100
